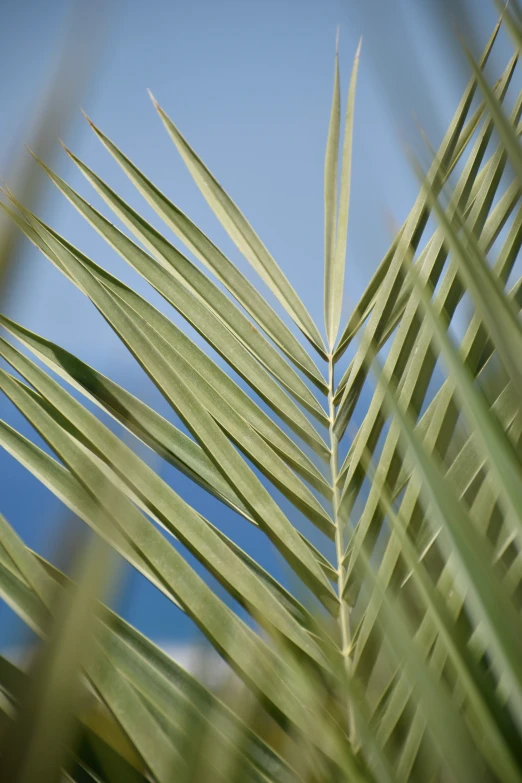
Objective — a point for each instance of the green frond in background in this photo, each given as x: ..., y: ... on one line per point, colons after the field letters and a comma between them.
x: 401, y: 659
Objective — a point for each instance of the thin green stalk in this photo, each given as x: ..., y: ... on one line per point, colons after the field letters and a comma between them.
x: 344, y: 625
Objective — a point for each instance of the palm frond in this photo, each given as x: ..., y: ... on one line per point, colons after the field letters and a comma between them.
x: 393, y: 651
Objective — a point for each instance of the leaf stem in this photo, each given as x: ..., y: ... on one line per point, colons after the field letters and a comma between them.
x: 344, y: 610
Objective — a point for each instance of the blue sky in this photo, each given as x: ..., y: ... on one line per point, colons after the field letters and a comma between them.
x: 249, y: 84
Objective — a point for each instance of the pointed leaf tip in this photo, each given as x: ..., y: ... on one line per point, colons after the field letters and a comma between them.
x: 153, y: 99
x: 5, y: 189
x: 91, y: 123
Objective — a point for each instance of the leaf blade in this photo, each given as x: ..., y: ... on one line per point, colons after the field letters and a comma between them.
x: 335, y: 266
x: 242, y: 233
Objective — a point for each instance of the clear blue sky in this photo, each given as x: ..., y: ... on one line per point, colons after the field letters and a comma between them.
x: 249, y: 83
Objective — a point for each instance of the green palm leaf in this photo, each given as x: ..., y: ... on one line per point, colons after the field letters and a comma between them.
x: 389, y: 649
x: 243, y: 234
x: 336, y: 226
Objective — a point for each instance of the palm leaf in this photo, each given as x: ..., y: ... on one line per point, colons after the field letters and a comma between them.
x: 336, y: 226
x: 243, y: 234
x: 394, y: 652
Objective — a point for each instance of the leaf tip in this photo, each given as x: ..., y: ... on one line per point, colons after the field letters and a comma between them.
x: 36, y: 158
x: 153, y: 99
x: 91, y: 123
